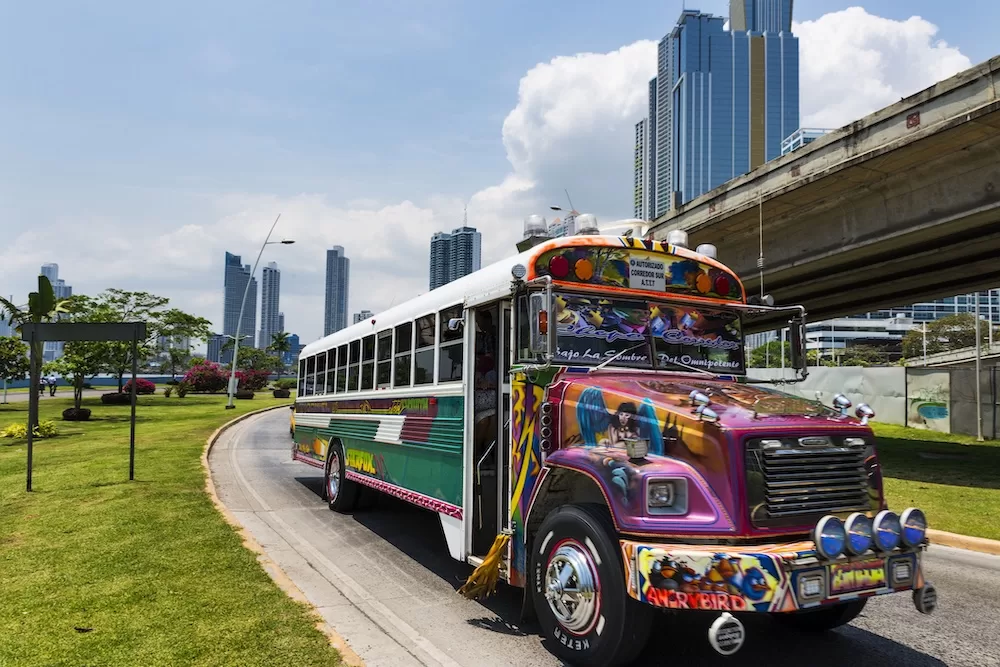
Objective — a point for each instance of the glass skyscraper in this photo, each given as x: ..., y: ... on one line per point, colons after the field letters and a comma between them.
x: 52, y: 350
x: 235, y: 281
x: 270, y: 318
x: 722, y: 100
x: 454, y: 255
x: 338, y: 280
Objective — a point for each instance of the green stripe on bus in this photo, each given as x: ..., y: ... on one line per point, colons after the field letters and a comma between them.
x: 352, y: 428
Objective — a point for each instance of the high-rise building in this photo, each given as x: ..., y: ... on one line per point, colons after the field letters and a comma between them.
x: 564, y: 227
x: 235, y: 283
x: 270, y: 287
x: 639, y: 167
x: 294, y: 347
x: 454, y: 255
x: 281, y: 322
x: 338, y: 276
x: 722, y: 101
x: 215, y: 343
x: 801, y: 137
x: 362, y: 316
x: 52, y: 350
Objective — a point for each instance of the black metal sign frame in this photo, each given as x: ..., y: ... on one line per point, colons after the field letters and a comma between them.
x: 37, y: 332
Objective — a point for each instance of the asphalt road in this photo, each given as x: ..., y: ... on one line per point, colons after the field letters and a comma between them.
x: 383, y: 578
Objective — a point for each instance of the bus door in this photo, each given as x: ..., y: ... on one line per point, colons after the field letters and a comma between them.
x: 491, y: 407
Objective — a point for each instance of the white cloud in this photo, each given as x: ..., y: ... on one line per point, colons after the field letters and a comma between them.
x: 853, y: 63
x: 571, y: 127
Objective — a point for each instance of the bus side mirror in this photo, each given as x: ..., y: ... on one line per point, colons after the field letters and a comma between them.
x: 542, y: 338
x: 798, y: 342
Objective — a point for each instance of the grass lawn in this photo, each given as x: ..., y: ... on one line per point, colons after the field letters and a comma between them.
x: 953, y: 478
x: 97, y: 570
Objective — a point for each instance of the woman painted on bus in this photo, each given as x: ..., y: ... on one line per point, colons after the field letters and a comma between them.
x: 599, y: 428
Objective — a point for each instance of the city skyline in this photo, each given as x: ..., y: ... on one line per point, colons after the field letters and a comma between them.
x: 52, y: 350
x: 338, y: 281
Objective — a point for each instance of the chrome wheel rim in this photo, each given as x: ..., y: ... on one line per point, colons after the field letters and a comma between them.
x: 333, y: 477
x: 571, y: 587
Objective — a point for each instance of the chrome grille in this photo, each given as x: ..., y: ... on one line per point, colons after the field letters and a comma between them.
x: 792, y: 481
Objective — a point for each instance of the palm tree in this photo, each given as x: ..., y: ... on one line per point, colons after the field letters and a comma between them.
x: 280, y: 344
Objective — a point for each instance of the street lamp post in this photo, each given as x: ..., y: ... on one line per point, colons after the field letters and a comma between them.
x: 246, y: 290
x: 979, y: 400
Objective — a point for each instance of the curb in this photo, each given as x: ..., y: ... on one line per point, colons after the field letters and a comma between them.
x: 980, y: 544
x: 284, y: 582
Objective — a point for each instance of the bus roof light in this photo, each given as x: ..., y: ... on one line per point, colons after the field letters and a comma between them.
x: 708, y: 250
x: 586, y: 223
x: 678, y: 237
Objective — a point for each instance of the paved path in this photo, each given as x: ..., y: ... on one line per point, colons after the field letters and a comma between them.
x: 61, y: 392
x: 382, y: 577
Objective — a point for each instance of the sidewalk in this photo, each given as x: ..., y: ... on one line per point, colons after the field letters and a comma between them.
x: 61, y: 392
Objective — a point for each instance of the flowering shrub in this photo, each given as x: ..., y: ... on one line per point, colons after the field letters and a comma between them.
x: 252, y: 380
x: 206, y: 377
x: 142, y: 386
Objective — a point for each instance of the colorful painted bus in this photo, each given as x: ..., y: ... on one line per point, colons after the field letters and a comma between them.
x: 579, y: 418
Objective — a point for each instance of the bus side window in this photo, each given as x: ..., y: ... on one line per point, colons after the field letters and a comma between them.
x: 450, y: 358
x: 355, y: 363
x: 423, y: 357
x: 367, y: 362
x: 404, y: 344
x: 302, y: 377
x: 331, y: 370
x: 383, y: 357
x: 310, y: 375
x: 319, y: 386
x: 341, y: 369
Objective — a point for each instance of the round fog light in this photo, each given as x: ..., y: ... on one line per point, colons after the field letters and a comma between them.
x: 830, y: 537
x: 887, y: 530
x: 859, y: 533
x: 914, y: 526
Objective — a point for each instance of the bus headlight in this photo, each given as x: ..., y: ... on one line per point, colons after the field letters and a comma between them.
x: 859, y: 533
x: 830, y: 537
x: 914, y: 527
x: 887, y: 531
x: 667, y: 496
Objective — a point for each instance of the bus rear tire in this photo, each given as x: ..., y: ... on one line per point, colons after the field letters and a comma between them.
x: 340, y: 493
x: 577, y: 585
x: 822, y: 619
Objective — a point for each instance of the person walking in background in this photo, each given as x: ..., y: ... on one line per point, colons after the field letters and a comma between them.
x: 53, y: 383
x: 41, y: 385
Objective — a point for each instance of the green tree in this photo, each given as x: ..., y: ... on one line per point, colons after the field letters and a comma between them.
x: 42, y: 306
x: 280, y: 344
x: 768, y: 355
x: 13, y: 361
x: 176, y: 358
x: 947, y: 334
x: 81, y: 359
x: 863, y: 355
x: 254, y: 359
x: 115, y: 305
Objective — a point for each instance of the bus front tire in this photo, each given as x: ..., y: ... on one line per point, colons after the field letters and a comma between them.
x: 577, y: 585
x: 340, y: 493
x: 822, y: 619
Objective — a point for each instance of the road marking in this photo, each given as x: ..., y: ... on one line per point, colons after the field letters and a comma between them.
x: 384, y: 617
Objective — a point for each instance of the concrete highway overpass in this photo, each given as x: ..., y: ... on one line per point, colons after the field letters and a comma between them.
x: 900, y: 206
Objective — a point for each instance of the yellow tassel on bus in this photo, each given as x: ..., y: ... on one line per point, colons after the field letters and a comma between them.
x: 483, y: 580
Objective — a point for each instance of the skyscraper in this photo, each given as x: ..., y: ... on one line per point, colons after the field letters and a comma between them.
x: 215, y: 343
x: 281, y: 322
x: 270, y: 321
x: 52, y: 350
x: 338, y: 276
x: 724, y: 99
x: 639, y: 164
x: 235, y: 283
x: 362, y: 316
x: 454, y: 255
x: 294, y: 347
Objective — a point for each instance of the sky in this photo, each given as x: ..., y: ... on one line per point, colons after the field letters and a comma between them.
x: 143, y: 141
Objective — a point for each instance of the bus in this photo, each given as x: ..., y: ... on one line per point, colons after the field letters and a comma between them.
x: 580, y: 419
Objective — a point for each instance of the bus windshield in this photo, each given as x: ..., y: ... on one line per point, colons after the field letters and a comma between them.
x: 647, y: 334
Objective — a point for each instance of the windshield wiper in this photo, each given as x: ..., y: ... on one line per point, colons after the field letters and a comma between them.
x: 616, y: 355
